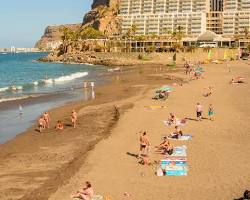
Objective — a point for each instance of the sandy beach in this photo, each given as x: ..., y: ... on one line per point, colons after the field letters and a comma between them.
x: 218, y: 155
x: 54, y: 164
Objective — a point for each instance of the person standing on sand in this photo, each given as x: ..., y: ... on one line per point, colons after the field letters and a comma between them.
x: 46, y: 117
x: 85, y: 84
x: 74, y: 118
x: 92, y: 84
x: 144, y: 144
x: 20, y: 111
x: 41, y: 123
x: 199, y: 111
x: 211, y: 112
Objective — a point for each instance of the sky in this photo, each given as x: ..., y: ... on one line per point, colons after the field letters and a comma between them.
x: 22, y: 22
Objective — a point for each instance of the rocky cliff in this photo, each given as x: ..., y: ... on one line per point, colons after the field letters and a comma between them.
x: 103, y: 17
x: 52, y: 35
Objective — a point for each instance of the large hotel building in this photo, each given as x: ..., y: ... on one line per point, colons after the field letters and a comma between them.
x: 224, y: 17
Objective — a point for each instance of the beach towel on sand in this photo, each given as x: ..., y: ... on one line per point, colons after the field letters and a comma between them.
x: 178, y: 152
x: 174, y: 166
x: 181, y: 138
x: 178, y: 123
x: 95, y: 197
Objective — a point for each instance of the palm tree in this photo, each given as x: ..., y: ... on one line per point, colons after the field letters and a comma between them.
x: 246, y: 32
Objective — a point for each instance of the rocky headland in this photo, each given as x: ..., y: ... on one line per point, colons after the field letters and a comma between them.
x: 103, y: 17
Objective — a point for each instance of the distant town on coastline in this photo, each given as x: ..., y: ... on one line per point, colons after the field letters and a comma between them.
x: 148, y: 26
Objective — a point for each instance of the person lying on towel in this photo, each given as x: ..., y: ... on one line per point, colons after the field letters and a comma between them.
x: 177, y: 133
x: 238, y: 79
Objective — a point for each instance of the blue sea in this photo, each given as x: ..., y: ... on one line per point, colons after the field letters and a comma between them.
x: 25, y: 84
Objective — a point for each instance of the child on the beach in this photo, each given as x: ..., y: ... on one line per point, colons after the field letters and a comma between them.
x: 74, y: 118
x: 59, y: 125
x: 211, y: 112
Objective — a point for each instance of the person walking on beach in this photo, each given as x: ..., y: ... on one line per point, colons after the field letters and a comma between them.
x: 74, y: 118
x: 211, y: 112
x: 20, y: 111
x: 144, y: 144
x: 85, y: 84
x: 46, y: 117
x: 92, y: 84
x: 199, y: 111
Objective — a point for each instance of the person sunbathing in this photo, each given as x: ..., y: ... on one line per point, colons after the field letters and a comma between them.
x: 177, y: 133
x: 86, y: 193
x: 172, y: 119
x: 165, y: 147
x: 238, y: 79
x: 59, y: 125
x: 208, y: 91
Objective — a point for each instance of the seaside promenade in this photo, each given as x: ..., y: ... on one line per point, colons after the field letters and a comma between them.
x: 218, y: 154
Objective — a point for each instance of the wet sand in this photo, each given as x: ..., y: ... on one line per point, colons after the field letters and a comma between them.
x: 34, y: 165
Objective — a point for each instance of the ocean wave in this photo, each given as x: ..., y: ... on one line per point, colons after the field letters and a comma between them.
x: 66, y: 78
x: 13, y: 99
x: 35, y: 84
x: 4, y: 89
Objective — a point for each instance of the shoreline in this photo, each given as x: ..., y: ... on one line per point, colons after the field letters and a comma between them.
x: 103, y: 96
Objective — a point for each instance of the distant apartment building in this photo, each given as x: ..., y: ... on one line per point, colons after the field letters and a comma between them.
x: 225, y: 17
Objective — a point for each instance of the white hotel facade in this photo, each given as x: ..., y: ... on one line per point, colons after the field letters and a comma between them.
x: 225, y: 17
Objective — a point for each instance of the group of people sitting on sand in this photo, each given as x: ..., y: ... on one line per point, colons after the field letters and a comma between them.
x: 44, y: 121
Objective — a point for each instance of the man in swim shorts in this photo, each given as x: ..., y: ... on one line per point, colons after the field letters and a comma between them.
x: 199, y: 111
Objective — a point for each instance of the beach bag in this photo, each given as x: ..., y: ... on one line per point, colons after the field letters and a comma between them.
x: 159, y: 172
